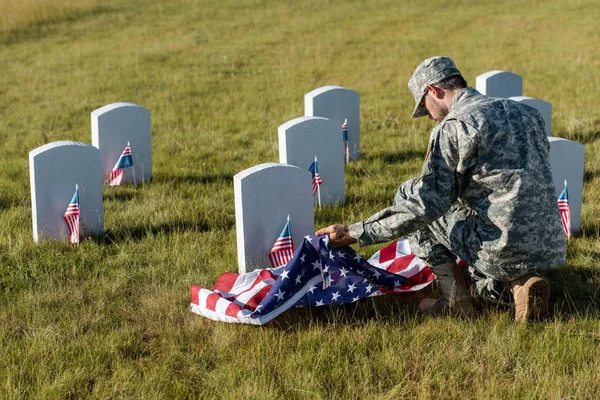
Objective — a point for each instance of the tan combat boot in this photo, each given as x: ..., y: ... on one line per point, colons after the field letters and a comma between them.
x: 531, y: 293
x: 455, y: 297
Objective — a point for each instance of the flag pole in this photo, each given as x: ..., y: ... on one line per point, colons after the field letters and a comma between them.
x: 79, y: 217
x: 347, y: 154
x: 318, y: 186
x: 569, y: 235
x: 132, y: 166
x: 345, y: 137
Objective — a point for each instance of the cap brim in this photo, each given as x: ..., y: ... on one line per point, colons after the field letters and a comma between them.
x: 419, y: 111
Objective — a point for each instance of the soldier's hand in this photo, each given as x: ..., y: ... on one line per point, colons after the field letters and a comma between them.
x: 338, y: 235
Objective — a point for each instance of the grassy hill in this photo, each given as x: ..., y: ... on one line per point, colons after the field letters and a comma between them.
x: 110, y: 318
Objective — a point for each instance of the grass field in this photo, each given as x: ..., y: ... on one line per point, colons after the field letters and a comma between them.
x: 110, y: 318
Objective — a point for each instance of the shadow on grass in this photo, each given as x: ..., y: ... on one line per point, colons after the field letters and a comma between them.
x: 35, y: 30
x: 380, y: 308
x: 121, y: 194
x: 193, y: 179
x: 589, y: 231
x: 6, y: 203
x: 391, y: 157
x: 140, y: 232
x: 585, y: 137
x: 575, y: 292
x: 590, y: 175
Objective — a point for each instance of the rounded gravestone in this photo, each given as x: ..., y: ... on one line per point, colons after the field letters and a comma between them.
x: 566, y: 162
x: 302, y: 139
x: 264, y: 196
x: 54, y: 170
x: 115, y: 125
x: 337, y: 103
x: 499, y: 84
x: 542, y: 106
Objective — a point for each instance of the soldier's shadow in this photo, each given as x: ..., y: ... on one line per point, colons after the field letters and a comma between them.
x: 575, y: 291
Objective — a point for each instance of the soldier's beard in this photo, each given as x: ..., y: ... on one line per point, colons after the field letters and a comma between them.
x: 437, y: 112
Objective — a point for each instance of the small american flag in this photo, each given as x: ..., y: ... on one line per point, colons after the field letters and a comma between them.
x: 283, y: 249
x: 565, y: 210
x: 72, y: 217
x: 316, y: 178
x: 125, y: 160
x: 317, y: 275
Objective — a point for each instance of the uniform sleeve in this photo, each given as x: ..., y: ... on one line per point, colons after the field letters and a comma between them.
x: 452, y: 152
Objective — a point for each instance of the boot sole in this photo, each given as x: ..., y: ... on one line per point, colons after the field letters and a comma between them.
x: 536, y: 306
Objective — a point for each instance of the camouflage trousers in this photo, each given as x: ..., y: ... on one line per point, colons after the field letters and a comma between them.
x: 442, y: 242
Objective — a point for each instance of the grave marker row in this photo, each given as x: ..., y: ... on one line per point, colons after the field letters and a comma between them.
x: 55, y: 169
x: 509, y: 85
x: 566, y: 156
x: 265, y: 194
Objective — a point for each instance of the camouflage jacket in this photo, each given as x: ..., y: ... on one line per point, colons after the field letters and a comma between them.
x: 492, y: 155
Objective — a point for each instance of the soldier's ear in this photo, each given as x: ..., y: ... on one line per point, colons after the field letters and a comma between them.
x: 435, y: 91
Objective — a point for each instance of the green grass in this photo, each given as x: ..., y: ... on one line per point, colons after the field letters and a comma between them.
x: 110, y: 318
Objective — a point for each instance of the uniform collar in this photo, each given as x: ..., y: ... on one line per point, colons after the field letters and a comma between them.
x: 461, y: 96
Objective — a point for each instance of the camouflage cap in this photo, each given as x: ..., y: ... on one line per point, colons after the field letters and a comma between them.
x: 430, y: 72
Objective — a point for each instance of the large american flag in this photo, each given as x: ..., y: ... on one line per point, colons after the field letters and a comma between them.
x: 72, y: 218
x: 316, y: 178
x: 125, y: 160
x: 317, y: 275
x: 283, y: 249
x: 565, y: 211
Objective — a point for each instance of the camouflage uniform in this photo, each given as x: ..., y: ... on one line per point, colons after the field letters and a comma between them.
x: 485, y: 194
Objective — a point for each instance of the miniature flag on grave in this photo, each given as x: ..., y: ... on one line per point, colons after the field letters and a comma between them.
x: 565, y: 210
x: 283, y: 249
x: 125, y: 160
x: 316, y: 179
x: 72, y: 217
x: 316, y: 275
x: 345, y: 137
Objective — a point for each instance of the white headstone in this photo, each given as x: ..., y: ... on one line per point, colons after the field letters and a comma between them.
x: 54, y: 170
x: 337, y: 103
x: 566, y: 161
x: 112, y: 127
x: 499, y: 84
x: 542, y: 106
x: 264, y: 196
x: 302, y: 139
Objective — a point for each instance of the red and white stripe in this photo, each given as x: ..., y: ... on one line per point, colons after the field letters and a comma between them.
x: 565, y: 216
x: 316, y: 181
x: 115, y: 176
x: 398, y: 259
x: 71, y: 217
x: 282, y: 252
x: 234, y: 297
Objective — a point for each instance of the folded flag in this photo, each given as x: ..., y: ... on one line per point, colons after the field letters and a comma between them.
x: 125, y: 160
x: 316, y: 275
x: 316, y: 178
x: 283, y: 249
x: 72, y: 217
x: 565, y: 211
